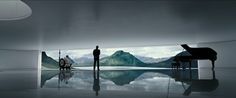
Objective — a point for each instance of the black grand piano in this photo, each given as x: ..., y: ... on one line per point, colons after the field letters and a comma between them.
x: 201, y: 53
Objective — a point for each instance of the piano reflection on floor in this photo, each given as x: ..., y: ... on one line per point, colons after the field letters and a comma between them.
x: 195, y: 85
x: 196, y: 54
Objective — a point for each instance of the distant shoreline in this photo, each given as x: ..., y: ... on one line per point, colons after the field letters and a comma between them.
x: 120, y: 68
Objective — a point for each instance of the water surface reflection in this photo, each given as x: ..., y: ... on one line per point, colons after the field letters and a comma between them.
x: 162, y: 81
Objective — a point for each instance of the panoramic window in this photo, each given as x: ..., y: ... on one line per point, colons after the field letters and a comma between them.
x: 152, y: 56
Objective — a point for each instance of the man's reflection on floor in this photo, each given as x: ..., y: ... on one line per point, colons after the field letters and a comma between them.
x: 96, y: 82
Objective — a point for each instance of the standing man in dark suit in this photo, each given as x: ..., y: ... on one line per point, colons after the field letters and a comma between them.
x: 96, y: 53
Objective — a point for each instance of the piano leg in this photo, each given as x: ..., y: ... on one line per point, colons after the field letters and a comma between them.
x: 214, y: 76
x: 190, y: 71
x: 213, y: 64
x: 190, y: 64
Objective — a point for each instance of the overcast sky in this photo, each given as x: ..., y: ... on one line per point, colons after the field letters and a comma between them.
x: 151, y: 51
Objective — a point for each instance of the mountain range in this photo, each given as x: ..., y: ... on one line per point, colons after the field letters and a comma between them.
x: 86, y: 60
x: 168, y: 63
x: 119, y: 58
x: 149, y: 60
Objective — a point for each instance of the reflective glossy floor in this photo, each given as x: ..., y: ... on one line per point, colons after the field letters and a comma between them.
x: 162, y: 83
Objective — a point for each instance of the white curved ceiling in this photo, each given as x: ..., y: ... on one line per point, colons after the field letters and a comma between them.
x: 14, y: 10
x: 70, y: 24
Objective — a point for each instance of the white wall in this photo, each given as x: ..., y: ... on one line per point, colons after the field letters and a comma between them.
x: 226, y: 58
x: 19, y: 69
x: 17, y: 59
x: 226, y: 54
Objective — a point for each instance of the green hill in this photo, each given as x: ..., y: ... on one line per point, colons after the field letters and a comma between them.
x: 48, y: 62
x: 121, y: 58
